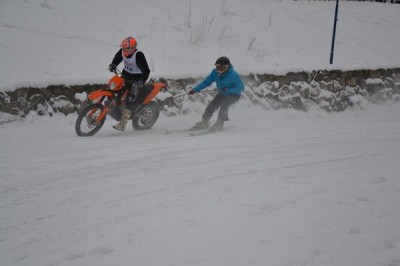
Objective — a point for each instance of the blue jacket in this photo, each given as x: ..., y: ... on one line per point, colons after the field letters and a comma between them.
x: 228, y: 83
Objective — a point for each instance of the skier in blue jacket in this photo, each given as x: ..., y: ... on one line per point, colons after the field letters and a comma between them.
x: 229, y: 87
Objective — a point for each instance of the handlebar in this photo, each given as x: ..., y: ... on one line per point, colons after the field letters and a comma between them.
x: 116, y: 71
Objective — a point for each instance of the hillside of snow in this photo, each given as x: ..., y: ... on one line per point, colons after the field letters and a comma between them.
x: 55, y: 42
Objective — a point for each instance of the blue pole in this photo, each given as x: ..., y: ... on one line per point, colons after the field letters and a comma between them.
x: 334, y: 32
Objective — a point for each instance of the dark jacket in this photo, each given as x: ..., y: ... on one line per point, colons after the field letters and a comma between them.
x: 141, y: 63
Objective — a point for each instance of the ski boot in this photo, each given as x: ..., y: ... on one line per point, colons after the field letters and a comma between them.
x: 203, y: 124
x: 218, y: 126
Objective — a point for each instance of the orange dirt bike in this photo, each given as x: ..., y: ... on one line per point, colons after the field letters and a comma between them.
x: 111, y: 101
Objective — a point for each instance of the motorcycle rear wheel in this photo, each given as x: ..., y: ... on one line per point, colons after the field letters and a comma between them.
x: 85, y: 124
x: 147, y: 116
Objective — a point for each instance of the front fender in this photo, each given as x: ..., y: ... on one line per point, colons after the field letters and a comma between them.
x: 99, y: 93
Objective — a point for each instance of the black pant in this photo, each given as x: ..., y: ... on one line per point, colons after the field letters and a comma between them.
x: 223, y: 102
x: 137, y: 96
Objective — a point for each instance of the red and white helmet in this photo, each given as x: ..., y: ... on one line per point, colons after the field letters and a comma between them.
x: 128, y: 46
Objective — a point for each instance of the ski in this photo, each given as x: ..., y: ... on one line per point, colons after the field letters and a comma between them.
x: 206, y: 132
x: 199, y: 132
x: 193, y: 132
x: 168, y: 132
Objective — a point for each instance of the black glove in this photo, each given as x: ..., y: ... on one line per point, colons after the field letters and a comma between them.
x: 112, y: 67
x: 191, y: 92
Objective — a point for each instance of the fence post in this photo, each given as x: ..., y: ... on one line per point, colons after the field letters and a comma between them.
x: 334, y: 32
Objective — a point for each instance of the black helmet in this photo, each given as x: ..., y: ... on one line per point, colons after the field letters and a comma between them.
x: 223, y: 61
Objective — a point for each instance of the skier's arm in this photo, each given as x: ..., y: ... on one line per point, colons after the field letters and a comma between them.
x: 205, y: 83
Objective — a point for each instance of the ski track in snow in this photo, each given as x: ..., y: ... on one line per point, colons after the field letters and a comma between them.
x: 323, y: 188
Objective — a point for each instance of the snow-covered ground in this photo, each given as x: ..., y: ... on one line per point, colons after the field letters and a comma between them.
x: 279, y: 188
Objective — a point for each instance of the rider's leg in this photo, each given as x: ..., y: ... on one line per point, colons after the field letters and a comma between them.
x: 127, y: 111
x: 126, y: 115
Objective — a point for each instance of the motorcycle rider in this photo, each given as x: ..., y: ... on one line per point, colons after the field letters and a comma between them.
x: 229, y: 87
x: 136, y: 71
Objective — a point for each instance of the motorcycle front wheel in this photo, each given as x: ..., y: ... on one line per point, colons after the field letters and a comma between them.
x: 146, y: 117
x: 85, y: 124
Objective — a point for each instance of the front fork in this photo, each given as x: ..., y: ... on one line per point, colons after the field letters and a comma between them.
x: 103, y: 112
